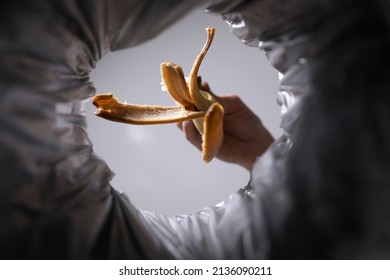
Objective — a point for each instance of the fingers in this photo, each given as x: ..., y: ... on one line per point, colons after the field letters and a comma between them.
x: 230, y: 103
x: 191, y: 133
x: 205, y: 86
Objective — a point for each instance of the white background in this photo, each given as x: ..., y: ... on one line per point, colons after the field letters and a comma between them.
x: 157, y: 168
x: 280, y: 270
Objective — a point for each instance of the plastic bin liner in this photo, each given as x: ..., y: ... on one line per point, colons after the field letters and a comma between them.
x: 320, y: 191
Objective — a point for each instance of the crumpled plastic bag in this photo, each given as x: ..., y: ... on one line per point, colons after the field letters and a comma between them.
x: 313, y: 194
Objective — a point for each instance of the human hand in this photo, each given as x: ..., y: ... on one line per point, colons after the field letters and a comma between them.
x: 245, y: 137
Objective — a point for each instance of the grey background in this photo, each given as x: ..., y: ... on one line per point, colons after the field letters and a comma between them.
x: 157, y: 168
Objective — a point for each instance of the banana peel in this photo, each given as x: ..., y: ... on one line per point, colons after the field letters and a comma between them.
x: 192, y: 103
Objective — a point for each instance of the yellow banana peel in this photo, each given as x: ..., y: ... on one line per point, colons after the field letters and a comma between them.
x: 192, y: 103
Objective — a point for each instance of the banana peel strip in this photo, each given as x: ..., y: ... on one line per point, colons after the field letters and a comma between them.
x: 111, y: 109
